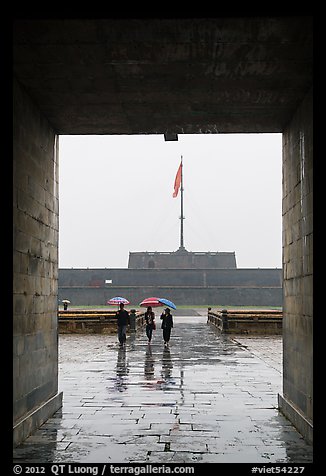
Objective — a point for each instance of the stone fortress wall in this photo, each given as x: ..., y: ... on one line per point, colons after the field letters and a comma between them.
x: 237, y: 286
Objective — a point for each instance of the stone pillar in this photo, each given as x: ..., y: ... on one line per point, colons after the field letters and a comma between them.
x: 225, y: 321
x: 297, y: 399
x: 35, y: 268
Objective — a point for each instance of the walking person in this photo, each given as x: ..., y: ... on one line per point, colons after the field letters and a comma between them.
x: 150, y: 323
x: 122, y: 322
x: 167, y: 324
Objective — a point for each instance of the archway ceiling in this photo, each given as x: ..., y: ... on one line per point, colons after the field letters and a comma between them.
x: 147, y: 76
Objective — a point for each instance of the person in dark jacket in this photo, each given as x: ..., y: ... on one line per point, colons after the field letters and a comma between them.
x: 167, y: 324
x: 122, y: 323
x: 150, y: 323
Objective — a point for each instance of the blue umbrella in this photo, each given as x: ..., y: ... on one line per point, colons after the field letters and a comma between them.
x: 167, y: 303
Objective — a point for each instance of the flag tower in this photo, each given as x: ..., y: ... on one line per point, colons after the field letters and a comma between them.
x: 178, y: 183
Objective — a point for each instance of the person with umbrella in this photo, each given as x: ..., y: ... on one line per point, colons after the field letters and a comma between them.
x: 65, y: 304
x: 122, y: 322
x: 167, y: 324
x: 117, y: 300
x: 150, y: 323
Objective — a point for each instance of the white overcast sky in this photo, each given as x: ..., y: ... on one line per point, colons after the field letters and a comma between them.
x: 116, y: 196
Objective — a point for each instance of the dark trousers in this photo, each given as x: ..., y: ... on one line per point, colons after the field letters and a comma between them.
x: 122, y: 330
x: 149, y: 331
x: 166, y: 334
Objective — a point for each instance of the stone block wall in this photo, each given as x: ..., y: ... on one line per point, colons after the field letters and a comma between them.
x: 97, y: 277
x: 35, y: 264
x: 297, y: 399
x: 182, y: 295
x: 182, y: 259
x: 225, y: 287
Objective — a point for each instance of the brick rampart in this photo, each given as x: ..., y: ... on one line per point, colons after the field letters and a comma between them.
x: 228, y: 287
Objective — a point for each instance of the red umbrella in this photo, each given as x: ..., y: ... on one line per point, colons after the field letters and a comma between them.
x: 151, y: 301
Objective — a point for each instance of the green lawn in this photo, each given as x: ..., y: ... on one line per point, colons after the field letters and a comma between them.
x: 188, y: 306
x: 222, y: 306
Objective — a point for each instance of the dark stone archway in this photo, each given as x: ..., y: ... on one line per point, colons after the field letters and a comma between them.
x: 145, y: 76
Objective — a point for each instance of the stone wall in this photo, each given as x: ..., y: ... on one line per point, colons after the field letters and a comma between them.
x: 297, y: 399
x: 215, y: 296
x: 170, y: 277
x: 35, y: 261
x: 246, y: 287
x: 181, y: 259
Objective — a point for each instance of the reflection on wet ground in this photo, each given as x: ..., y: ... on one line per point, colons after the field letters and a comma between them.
x: 205, y: 398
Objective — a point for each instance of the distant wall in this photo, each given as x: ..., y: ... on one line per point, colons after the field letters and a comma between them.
x: 181, y: 259
x: 201, y: 287
x: 170, y: 277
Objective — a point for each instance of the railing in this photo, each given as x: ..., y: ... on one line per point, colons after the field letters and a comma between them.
x: 86, y: 314
x: 249, y: 321
x: 97, y: 321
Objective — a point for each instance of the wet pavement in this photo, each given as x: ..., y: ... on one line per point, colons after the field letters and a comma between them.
x: 206, y: 399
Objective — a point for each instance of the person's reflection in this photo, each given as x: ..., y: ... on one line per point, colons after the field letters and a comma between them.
x: 167, y: 364
x: 132, y: 341
x: 122, y: 369
x: 149, y: 364
x: 182, y: 394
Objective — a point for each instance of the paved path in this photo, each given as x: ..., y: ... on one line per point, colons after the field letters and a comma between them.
x: 207, y: 398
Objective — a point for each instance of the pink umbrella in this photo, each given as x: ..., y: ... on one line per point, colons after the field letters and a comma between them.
x: 152, y: 301
x: 118, y: 300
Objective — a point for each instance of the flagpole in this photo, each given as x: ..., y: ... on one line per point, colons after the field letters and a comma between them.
x: 181, y: 217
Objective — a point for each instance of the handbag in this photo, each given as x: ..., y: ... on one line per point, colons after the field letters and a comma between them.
x: 154, y: 326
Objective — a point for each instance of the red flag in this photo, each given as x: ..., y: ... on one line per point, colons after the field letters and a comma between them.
x: 177, y: 181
